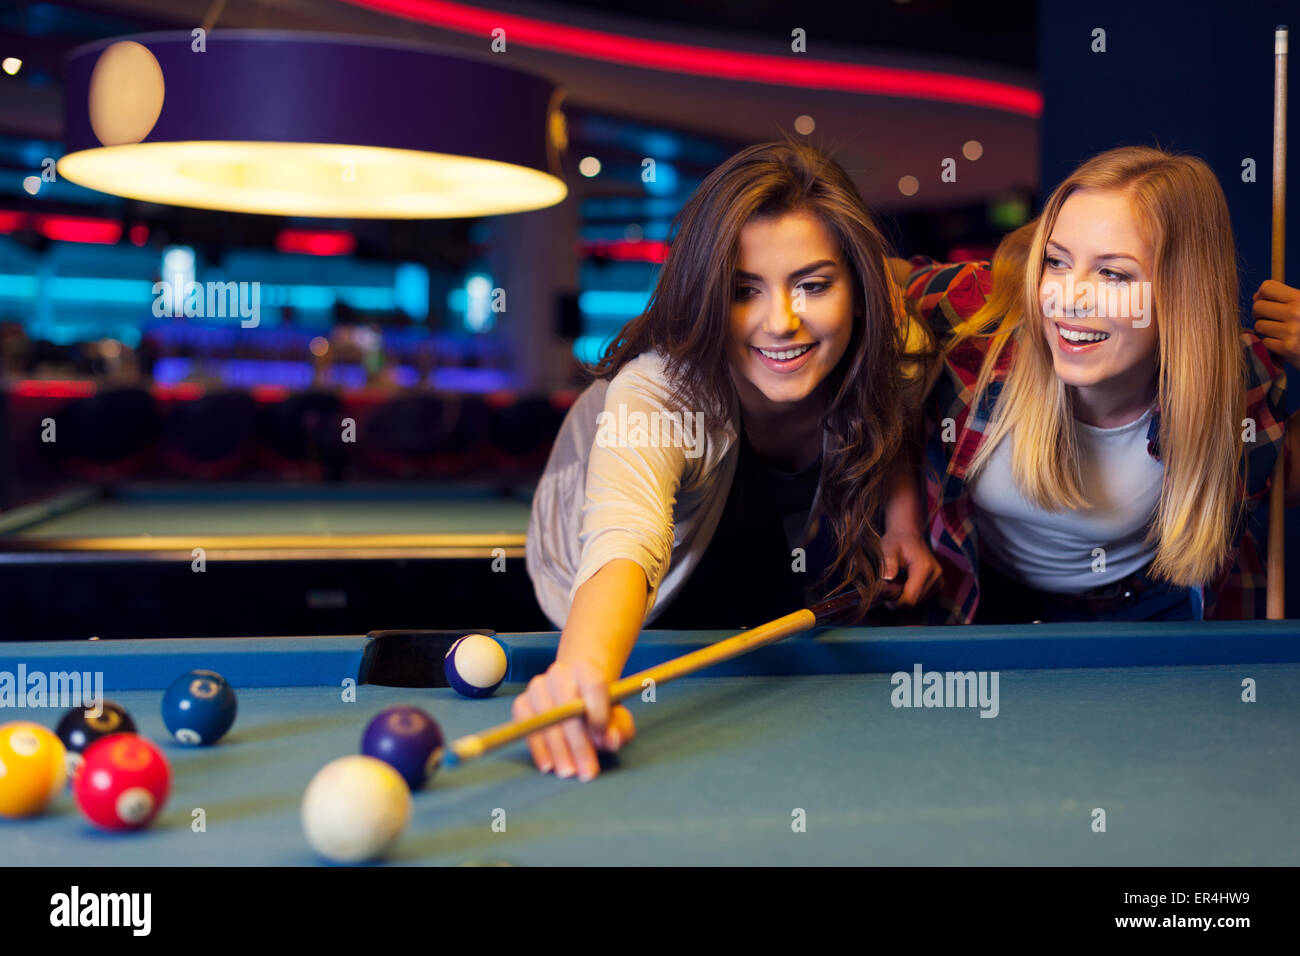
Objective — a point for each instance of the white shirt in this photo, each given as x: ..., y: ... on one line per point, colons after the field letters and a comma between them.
x: 1054, y: 550
x: 653, y: 499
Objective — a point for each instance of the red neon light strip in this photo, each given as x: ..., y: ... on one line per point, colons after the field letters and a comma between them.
x: 63, y: 228
x: 179, y: 391
x: 52, y: 388
x: 316, y: 242
x: 724, y: 64
x: 269, y: 393
x: 11, y: 221
x: 79, y: 229
x: 624, y: 250
x: 368, y: 396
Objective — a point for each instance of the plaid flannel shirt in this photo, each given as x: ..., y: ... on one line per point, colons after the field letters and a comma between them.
x: 946, y: 294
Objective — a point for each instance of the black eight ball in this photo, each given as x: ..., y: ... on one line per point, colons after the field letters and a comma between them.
x: 78, y: 729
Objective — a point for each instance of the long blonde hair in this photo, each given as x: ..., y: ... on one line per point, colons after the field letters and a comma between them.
x: 1180, y: 207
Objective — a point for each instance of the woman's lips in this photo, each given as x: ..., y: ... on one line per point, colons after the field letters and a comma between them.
x: 1077, y: 348
x: 785, y: 366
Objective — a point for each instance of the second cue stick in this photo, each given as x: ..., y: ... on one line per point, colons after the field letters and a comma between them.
x: 1276, y: 593
x: 475, y: 745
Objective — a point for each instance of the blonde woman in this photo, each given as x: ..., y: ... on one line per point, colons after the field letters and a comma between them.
x: 1103, y: 427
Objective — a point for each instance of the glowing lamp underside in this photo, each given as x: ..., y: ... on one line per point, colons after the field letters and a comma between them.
x: 313, y: 179
x: 306, y: 124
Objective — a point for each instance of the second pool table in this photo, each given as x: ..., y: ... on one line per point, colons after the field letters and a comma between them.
x: 314, y: 559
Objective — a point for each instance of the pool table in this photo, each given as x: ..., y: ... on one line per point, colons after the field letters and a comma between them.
x: 314, y: 559
x: 1145, y: 721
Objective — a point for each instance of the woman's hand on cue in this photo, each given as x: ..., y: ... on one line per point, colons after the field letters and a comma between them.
x: 906, y: 556
x: 570, y: 747
x: 1277, y: 319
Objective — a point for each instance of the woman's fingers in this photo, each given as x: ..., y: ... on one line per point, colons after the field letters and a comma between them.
x: 1271, y: 289
x: 889, y: 563
x: 579, y: 755
x: 595, y: 696
x: 915, y: 587
x: 569, y: 748
x: 542, y: 700
x: 917, y: 572
x: 1276, y: 310
x: 522, y: 710
x: 928, y: 571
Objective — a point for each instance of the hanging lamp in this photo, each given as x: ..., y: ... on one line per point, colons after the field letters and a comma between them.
x: 304, y: 124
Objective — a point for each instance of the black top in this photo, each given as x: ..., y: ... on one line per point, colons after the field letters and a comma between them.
x: 745, y: 577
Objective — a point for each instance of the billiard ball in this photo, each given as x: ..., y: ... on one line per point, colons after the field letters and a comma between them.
x: 475, y: 665
x: 354, y: 809
x: 123, y: 783
x: 33, y: 768
x: 408, y: 740
x: 80, y: 728
x: 199, y: 707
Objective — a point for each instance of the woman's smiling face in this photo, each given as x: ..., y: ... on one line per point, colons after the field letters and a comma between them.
x: 792, y: 307
x: 1095, y: 293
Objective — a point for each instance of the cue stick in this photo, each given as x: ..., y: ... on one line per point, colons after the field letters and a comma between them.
x: 1276, y: 594
x: 475, y: 745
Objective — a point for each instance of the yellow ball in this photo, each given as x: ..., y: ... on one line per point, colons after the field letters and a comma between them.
x: 33, y: 768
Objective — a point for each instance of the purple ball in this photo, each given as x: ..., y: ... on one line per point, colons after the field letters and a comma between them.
x: 407, y: 739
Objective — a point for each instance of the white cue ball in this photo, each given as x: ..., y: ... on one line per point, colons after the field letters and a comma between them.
x: 354, y: 808
x: 475, y: 665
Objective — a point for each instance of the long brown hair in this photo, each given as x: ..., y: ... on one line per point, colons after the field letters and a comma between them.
x: 1179, y: 204
x: 687, y: 323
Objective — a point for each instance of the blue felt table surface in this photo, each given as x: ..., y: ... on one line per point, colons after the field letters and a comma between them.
x: 1185, y: 771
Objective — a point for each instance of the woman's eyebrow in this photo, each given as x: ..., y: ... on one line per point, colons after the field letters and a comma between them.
x: 798, y: 273
x: 1105, y: 257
